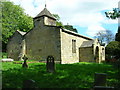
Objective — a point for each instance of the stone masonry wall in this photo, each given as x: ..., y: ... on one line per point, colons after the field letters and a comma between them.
x: 43, y: 41
x: 101, y: 51
x: 86, y: 54
x: 14, y: 46
x: 67, y: 55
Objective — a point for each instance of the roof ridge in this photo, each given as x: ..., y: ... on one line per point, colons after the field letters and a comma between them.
x: 76, y: 34
x: 45, y: 12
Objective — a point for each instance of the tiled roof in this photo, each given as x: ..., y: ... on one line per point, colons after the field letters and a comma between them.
x: 45, y: 12
x: 87, y: 43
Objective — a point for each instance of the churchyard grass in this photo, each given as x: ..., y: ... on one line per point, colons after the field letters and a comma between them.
x: 78, y: 75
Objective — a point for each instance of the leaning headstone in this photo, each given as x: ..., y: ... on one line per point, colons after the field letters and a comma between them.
x: 50, y: 65
x: 100, y: 79
x: 28, y: 84
x: 25, y: 63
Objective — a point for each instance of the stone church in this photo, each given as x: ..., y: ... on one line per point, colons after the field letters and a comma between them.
x: 47, y: 39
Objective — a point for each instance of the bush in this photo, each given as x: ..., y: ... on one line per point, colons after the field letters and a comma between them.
x: 113, y: 51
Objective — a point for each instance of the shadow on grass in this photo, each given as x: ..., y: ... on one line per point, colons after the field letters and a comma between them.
x: 66, y: 76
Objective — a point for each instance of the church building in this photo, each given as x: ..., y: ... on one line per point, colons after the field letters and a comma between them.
x: 47, y: 39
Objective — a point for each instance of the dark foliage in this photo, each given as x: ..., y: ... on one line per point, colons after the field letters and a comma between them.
x: 113, y: 51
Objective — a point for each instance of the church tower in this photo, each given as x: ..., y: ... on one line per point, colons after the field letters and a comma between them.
x: 44, y: 18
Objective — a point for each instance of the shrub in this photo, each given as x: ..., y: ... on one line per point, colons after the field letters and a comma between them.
x: 113, y: 51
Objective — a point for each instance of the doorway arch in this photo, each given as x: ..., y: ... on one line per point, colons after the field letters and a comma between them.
x: 97, y: 54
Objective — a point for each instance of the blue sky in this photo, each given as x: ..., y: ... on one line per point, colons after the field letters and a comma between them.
x: 85, y: 15
x: 113, y: 27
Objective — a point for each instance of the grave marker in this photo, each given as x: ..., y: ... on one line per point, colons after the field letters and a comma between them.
x: 28, y: 84
x: 100, y: 79
x: 50, y: 65
x: 25, y: 63
x: 101, y: 82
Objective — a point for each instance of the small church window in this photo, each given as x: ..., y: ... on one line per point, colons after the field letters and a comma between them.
x: 73, y: 46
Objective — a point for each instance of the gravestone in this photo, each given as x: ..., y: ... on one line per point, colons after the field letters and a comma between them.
x: 28, y: 84
x: 100, y: 79
x: 25, y: 63
x: 50, y: 65
x: 101, y: 82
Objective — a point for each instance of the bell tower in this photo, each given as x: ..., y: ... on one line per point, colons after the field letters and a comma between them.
x: 44, y: 18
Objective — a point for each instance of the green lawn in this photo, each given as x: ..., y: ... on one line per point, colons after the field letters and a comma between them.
x: 79, y: 75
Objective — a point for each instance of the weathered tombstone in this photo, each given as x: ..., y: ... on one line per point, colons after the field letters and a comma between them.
x: 101, y: 82
x: 50, y: 65
x: 28, y: 84
x: 100, y: 79
x: 25, y: 63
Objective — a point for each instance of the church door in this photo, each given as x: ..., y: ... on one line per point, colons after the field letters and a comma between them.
x: 97, y: 54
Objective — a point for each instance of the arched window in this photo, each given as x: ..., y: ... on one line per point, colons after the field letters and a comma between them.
x: 73, y: 46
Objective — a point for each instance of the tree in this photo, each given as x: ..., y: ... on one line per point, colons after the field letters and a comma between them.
x: 104, y: 36
x: 114, y: 15
x: 109, y: 36
x: 113, y: 50
x: 58, y: 22
x: 13, y: 18
x: 70, y: 27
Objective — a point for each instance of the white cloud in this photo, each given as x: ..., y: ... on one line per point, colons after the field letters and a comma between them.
x: 85, y: 13
x: 93, y: 29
